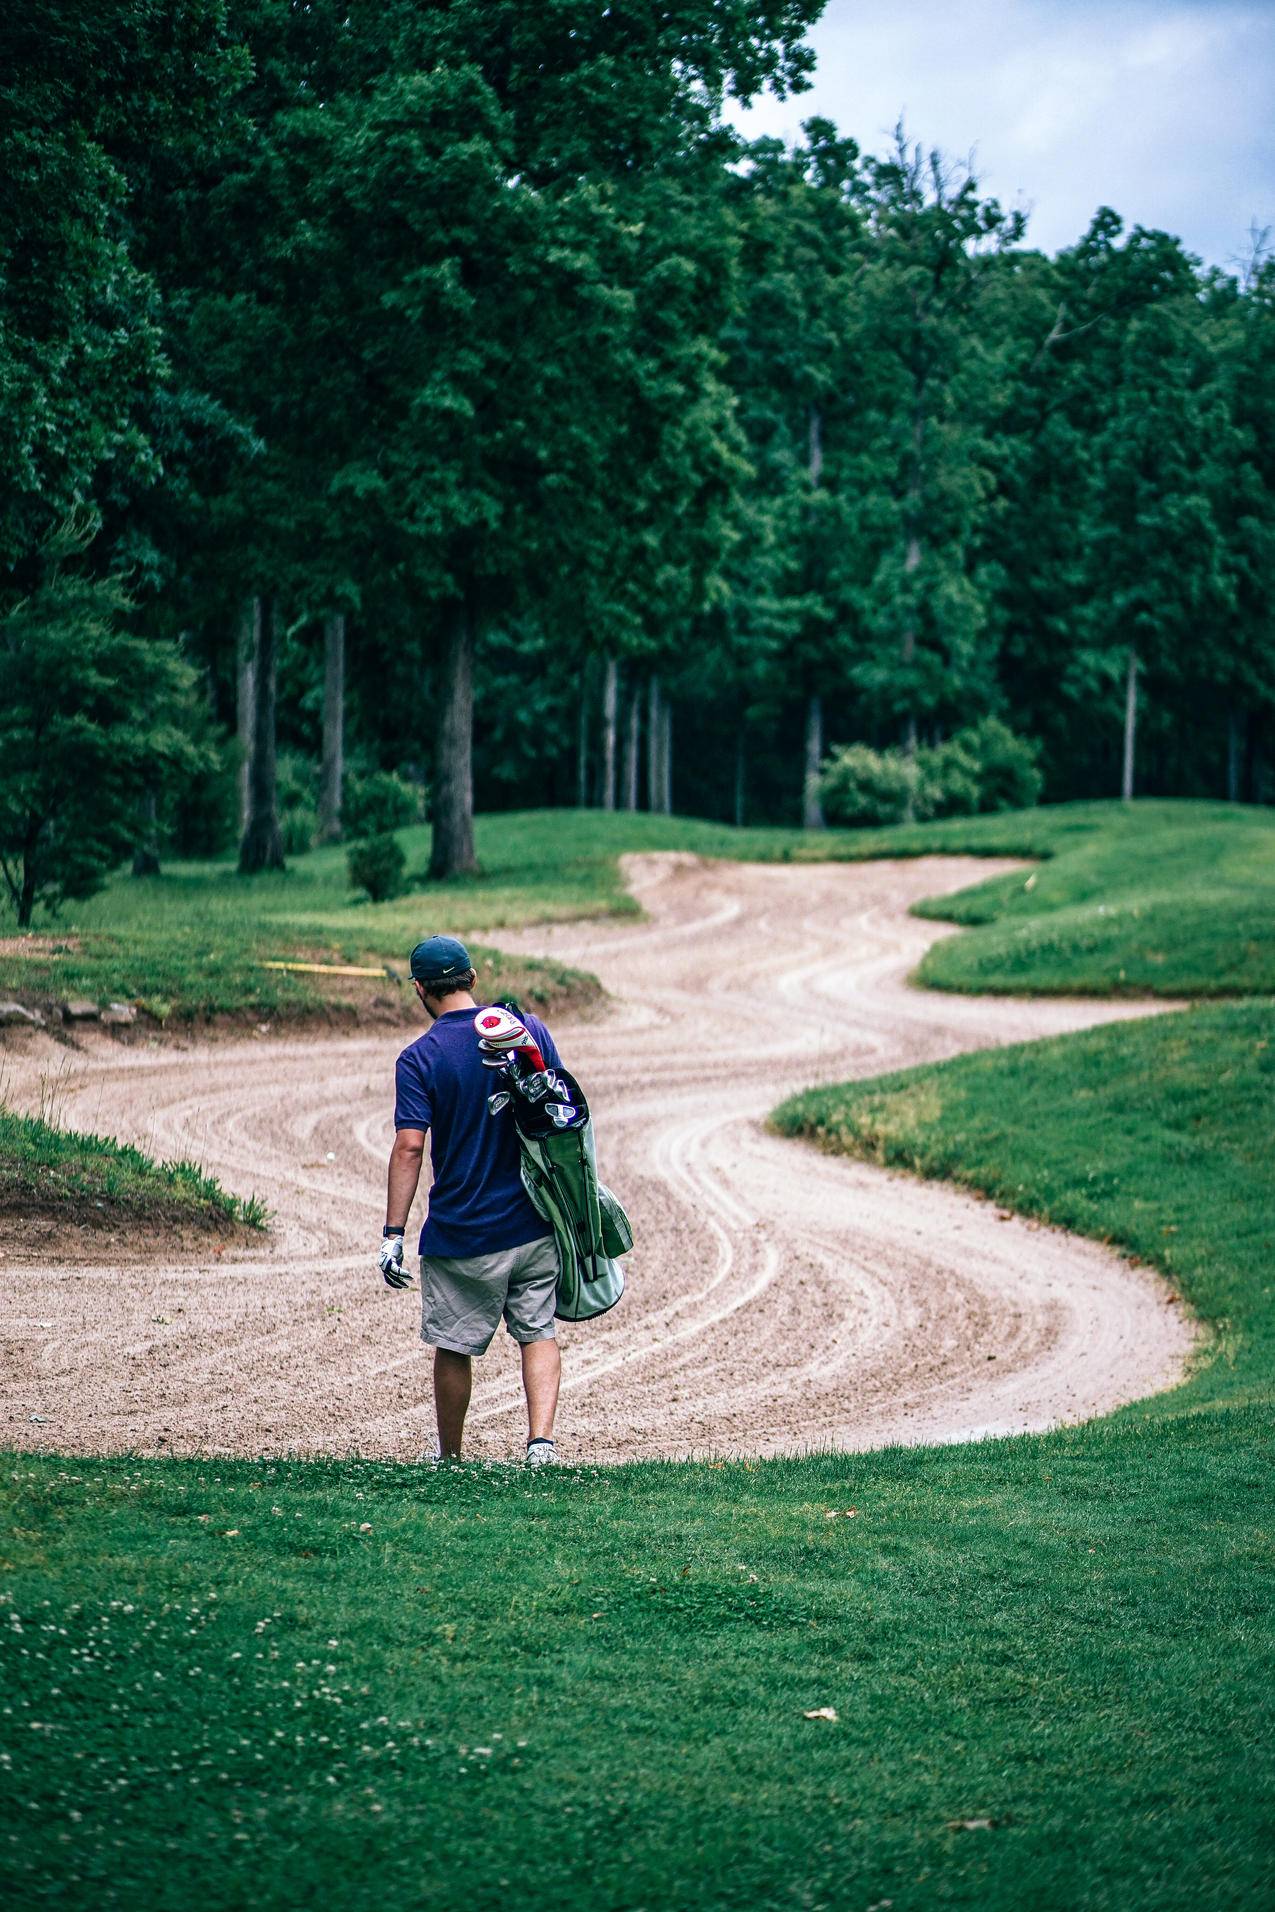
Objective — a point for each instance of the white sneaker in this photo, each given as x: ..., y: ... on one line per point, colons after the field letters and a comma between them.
x: 541, y: 1453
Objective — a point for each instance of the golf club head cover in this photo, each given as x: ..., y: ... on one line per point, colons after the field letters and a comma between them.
x: 500, y: 1034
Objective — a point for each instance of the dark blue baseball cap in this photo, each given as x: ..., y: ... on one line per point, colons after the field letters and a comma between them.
x: 439, y: 959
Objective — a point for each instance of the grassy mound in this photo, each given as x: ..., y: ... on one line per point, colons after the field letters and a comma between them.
x: 1174, y: 898
x: 48, y: 1173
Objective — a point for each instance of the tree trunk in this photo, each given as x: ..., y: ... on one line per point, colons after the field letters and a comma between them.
x: 453, y: 846
x: 333, y: 770
x: 816, y: 445
x: 582, y: 741
x: 26, y: 894
x: 610, y: 714
x: 247, y: 640
x: 1234, y: 754
x: 666, y: 758
x: 632, y: 745
x: 740, y: 766
x: 1130, y: 725
x: 654, y: 738
x: 811, y: 802
x: 912, y: 563
x: 262, y: 846
x: 146, y: 850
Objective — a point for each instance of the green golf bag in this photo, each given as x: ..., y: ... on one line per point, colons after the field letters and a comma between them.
x: 560, y: 1174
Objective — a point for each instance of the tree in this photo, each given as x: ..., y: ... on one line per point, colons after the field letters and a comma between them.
x: 93, y: 724
x: 927, y: 372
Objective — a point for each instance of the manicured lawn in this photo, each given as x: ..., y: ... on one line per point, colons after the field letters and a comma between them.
x: 1051, y: 1659
x: 280, y: 1685
x: 46, y: 1171
x: 1175, y: 898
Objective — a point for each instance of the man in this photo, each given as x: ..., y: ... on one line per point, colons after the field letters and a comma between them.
x: 485, y: 1252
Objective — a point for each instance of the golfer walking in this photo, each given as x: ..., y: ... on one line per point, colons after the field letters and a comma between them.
x: 484, y: 1250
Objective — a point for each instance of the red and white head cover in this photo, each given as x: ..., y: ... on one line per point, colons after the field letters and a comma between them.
x: 498, y: 1031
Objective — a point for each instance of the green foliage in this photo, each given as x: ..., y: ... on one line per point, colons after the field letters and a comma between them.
x: 377, y: 865
x: 92, y: 719
x: 54, y: 1174
x: 860, y: 785
x: 984, y: 768
x: 377, y: 800
x: 1002, y: 766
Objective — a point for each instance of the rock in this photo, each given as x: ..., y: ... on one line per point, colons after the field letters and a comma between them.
x: 119, y: 1014
x: 80, y: 1009
x: 18, y: 1012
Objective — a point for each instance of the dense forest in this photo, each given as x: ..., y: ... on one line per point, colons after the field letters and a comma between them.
x: 406, y: 407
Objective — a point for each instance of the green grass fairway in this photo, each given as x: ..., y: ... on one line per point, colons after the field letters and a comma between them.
x: 1176, y: 898
x: 46, y: 1172
x: 1170, y: 899
x: 1051, y: 1659
x: 286, y: 1685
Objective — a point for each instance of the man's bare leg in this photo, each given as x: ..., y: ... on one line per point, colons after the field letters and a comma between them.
x: 541, y: 1373
x: 453, y: 1383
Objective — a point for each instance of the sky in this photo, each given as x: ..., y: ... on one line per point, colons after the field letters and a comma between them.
x: 1164, y: 109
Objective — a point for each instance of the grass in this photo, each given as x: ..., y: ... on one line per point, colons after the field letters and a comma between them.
x: 1175, y: 898
x: 387, y: 1688
x: 1150, y: 899
x: 48, y: 1171
x: 1051, y: 1658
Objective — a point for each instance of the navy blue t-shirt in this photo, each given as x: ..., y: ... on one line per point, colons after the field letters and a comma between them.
x: 478, y: 1203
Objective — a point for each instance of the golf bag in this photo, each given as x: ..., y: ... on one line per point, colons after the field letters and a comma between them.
x: 558, y: 1165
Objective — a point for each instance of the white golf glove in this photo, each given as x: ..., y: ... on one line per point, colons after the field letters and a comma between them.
x: 390, y: 1262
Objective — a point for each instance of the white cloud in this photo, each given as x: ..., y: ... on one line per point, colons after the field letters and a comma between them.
x: 1164, y: 109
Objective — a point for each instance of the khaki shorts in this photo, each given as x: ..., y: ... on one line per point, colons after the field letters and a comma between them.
x: 463, y: 1297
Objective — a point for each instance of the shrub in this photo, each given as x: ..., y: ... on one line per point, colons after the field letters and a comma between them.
x: 376, y: 865
x: 984, y: 767
x: 1006, y: 765
x: 947, y: 780
x: 376, y: 802
x: 300, y: 827
x: 298, y: 782
x: 860, y: 785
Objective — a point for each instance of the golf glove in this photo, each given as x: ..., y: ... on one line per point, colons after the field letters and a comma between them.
x: 390, y: 1262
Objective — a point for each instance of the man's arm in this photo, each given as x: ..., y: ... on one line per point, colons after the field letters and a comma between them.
x: 405, y: 1174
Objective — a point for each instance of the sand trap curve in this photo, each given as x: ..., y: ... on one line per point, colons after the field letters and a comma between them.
x: 779, y: 1299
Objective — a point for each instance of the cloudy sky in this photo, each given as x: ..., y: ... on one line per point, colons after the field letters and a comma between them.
x: 1164, y: 109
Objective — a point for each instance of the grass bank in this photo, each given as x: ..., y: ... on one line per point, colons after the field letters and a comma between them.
x: 1174, y: 898
x: 1049, y: 1660
x: 50, y: 1174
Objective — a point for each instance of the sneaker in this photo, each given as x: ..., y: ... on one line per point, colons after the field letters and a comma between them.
x: 541, y: 1453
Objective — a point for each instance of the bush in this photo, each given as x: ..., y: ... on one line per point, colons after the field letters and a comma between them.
x: 300, y: 827
x: 947, y: 780
x: 298, y: 784
x: 861, y: 786
x: 984, y: 767
x: 377, y: 865
x: 376, y: 802
x: 1006, y: 765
